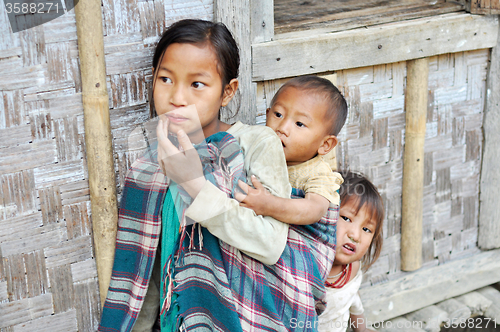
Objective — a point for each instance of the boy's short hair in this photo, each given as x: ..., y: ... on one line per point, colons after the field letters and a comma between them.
x: 337, y: 106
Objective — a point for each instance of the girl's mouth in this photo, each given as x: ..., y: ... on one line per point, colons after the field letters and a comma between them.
x: 176, y: 118
x: 350, y: 247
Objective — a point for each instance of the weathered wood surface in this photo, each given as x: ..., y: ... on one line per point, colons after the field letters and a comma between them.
x: 312, y: 52
x: 424, y: 287
x: 48, y: 278
x: 295, y: 15
x: 484, y: 7
x: 413, y: 163
x: 236, y: 16
x: 489, y: 227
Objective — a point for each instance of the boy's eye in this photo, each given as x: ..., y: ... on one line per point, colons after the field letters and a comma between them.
x: 198, y: 85
x: 346, y: 219
x: 300, y: 124
x: 278, y: 114
x: 165, y: 80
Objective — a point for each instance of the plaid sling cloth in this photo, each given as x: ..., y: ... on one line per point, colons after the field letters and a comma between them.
x: 219, y: 288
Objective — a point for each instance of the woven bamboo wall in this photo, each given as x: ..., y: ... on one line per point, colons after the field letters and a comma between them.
x: 372, y: 142
x: 48, y: 279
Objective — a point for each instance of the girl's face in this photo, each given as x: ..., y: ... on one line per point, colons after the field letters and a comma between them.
x: 354, y: 232
x: 188, y: 90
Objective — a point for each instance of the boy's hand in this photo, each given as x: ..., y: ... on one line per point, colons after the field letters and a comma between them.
x: 257, y: 199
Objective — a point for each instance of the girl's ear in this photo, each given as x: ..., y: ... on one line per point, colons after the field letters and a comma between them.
x: 329, y: 142
x: 229, y: 91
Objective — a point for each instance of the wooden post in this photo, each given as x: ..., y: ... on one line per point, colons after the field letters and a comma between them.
x: 489, y: 209
x: 413, y: 164
x: 99, y: 149
x: 236, y: 16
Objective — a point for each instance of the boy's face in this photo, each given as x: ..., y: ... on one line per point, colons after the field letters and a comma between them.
x: 299, y: 119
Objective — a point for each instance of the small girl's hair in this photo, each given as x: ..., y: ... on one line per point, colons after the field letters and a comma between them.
x: 356, y: 186
x: 216, y: 35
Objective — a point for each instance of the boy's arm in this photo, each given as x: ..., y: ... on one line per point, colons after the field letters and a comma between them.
x: 261, y: 237
x: 304, y: 211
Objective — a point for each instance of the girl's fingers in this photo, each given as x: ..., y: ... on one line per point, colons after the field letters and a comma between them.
x: 241, y: 193
x: 184, y: 140
x: 163, y: 140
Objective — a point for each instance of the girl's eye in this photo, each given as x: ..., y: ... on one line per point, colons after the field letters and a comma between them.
x: 346, y: 219
x: 367, y: 230
x: 165, y: 80
x: 198, y: 85
x: 300, y: 124
x: 278, y: 114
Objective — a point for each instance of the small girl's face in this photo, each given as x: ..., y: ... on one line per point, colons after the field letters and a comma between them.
x: 354, y: 231
x: 188, y: 90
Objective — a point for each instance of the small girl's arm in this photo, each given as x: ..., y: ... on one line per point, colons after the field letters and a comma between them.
x: 358, y: 322
x: 304, y: 211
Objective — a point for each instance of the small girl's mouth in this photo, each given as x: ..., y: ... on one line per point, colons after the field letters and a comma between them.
x: 350, y: 247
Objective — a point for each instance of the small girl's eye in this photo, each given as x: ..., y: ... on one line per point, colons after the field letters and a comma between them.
x: 346, y: 219
x: 300, y: 124
x: 278, y: 114
x: 198, y: 85
x: 166, y: 80
x: 365, y: 229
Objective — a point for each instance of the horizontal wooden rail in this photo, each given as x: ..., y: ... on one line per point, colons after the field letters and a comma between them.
x: 309, y: 52
x: 421, y: 288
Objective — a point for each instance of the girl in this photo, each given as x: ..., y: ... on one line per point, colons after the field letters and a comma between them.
x: 198, y: 281
x: 359, y: 242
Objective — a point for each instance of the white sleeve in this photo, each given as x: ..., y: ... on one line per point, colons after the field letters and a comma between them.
x: 261, y: 237
x: 356, y: 306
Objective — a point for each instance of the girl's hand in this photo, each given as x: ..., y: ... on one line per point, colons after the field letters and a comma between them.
x: 257, y: 199
x: 184, y: 167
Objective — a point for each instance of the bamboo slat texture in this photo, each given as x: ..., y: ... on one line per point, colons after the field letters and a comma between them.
x: 48, y: 279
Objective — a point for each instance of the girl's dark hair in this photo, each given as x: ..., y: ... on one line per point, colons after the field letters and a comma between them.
x: 191, y: 31
x: 357, y: 187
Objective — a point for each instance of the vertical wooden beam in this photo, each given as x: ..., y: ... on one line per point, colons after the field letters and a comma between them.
x: 489, y: 209
x: 236, y: 16
x: 413, y: 163
x: 99, y: 149
x: 262, y: 20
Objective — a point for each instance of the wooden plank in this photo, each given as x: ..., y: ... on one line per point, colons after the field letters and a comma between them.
x: 87, y: 304
x: 236, y: 16
x: 34, y: 239
x: 77, y: 218
x: 84, y: 270
x: 34, y: 155
x: 65, y: 321
x: 420, y: 288
x: 372, y: 45
x: 18, y: 312
x: 69, y: 252
x: 61, y: 287
x: 483, y: 7
x: 489, y: 227
x: 261, y: 20
x: 36, y: 273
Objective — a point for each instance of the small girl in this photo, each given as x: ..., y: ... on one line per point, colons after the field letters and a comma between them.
x: 164, y: 266
x: 359, y: 242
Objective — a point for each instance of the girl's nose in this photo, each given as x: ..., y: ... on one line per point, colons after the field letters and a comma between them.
x: 178, y: 96
x: 353, y: 234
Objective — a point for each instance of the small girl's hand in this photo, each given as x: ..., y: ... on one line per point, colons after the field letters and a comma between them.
x: 257, y: 199
x: 183, y: 167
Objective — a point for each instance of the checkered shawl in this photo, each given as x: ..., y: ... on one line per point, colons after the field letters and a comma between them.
x: 219, y: 287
